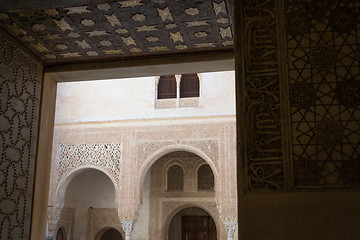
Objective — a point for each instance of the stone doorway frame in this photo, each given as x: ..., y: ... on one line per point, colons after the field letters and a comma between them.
x: 153, y: 66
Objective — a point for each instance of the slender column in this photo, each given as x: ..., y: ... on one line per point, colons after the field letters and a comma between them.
x: 157, y: 79
x: 54, y: 214
x: 128, y: 226
x: 178, y: 80
x: 230, y: 229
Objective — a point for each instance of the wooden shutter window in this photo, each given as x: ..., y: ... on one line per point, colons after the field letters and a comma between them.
x: 189, y: 85
x: 167, y: 87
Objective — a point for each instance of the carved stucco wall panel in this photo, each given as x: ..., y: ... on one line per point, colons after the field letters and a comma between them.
x: 301, y: 78
x: 107, y: 155
x: 228, y: 196
x: 146, y: 149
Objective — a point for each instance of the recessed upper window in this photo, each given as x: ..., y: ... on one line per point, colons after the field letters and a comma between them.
x: 175, y: 178
x: 205, y: 178
x: 189, y: 85
x: 167, y: 87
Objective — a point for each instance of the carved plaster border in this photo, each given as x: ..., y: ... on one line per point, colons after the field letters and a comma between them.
x: 145, y: 149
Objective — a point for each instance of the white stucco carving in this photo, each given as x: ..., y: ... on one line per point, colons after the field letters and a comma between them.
x: 107, y: 155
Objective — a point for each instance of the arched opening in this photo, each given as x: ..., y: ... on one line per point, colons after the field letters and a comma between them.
x: 61, y: 234
x: 192, y: 223
x: 173, y: 149
x: 205, y: 178
x: 91, y: 194
x: 175, y: 178
x: 111, y: 234
x: 170, y: 182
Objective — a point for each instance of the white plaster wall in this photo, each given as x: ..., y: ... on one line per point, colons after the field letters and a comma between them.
x: 89, y: 189
x: 141, y: 229
x: 134, y: 98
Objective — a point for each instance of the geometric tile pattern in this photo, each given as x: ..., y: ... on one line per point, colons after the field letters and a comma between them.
x: 122, y: 28
x: 324, y: 75
x: 20, y: 87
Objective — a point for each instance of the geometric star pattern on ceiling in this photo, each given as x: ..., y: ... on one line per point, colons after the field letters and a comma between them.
x: 122, y: 28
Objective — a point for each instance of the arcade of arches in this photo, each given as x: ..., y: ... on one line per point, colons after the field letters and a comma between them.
x: 175, y: 179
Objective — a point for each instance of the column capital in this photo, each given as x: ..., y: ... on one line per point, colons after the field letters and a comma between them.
x: 178, y: 78
x: 127, y: 226
x: 230, y: 229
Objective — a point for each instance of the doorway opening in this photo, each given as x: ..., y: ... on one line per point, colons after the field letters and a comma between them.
x: 111, y: 234
x: 192, y: 223
x: 61, y: 234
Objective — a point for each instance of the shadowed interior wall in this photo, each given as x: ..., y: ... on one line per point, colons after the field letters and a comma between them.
x: 89, y: 189
x: 141, y: 228
x: 20, y: 87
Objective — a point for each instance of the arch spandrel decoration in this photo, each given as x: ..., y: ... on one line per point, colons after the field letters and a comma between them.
x: 146, y: 149
x: 106, y: 155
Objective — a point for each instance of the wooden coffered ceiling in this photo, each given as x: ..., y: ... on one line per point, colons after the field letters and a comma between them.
x: 72, y: 31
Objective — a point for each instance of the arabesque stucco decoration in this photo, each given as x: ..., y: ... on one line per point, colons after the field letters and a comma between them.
x: 145, y: 149
x: 107, y: 155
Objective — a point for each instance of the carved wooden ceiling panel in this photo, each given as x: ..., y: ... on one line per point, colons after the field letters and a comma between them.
x: 100, y: 30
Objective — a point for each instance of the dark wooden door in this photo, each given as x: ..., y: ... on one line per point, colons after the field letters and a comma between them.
x: 198, y: 228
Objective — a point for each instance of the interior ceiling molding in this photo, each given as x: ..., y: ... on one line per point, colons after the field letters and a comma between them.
x: 117, y: 29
